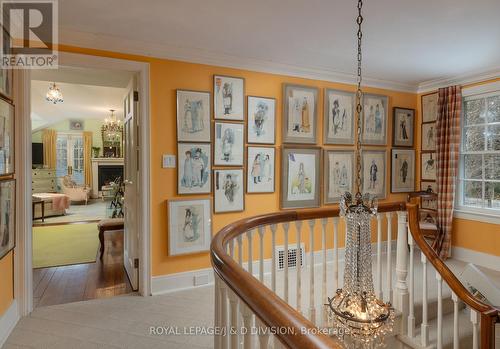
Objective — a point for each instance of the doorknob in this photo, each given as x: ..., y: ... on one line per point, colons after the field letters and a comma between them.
x: 126, y: 181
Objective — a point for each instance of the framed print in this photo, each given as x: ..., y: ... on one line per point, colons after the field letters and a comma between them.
x: 7, y: 216
x: 428, y: 166
x: 6, y: 81
x: 373, y: 172
x: 228, y: 147
x: 189, y: 226
x: 428, y: 217
x: 261, y: 118
x: 426, y: 185
x: 429, y: 107
x: 403, y: 127
x: 76, y: 125
x: 429, y: 137
x: 300, y: 181
x: 260, y: 170
x: 375, y: 116
x: 338, y: 117
x: 338, y: 176
x: 6, y: 138
x: 402, y: 170
x: 229, y: 98
x: 193, y: 170
x: 300, y: 106
x: 229, y: 193
x: 193, y: 116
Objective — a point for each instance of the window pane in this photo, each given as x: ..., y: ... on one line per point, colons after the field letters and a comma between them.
x: 473, y: 193
x: 492, y: 195
x: 473, y: 166
x: 492, y: 166
x: 474, y: 138
x: 474, y: 111
x: 493, y: 109
x: 493, y: 137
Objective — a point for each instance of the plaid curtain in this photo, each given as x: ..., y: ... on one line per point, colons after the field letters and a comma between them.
x: 447, y: 149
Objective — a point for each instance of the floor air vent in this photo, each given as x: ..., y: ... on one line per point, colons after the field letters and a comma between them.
x: 292, y: 256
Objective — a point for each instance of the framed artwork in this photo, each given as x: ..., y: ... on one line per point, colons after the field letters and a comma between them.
x: 76, y: 125
x: 429, y: 107
x: 193, y: 170
x: 375, y: 116
x: 338, y: 174
x: 402, y: 170
x: 373, y: 172
x: 403, y: 127
x: 229, y: 191
x: 428, y: 166
x: 300, y: 181
x: 260, y: 170
x: 428, y: 217
x: 6, y: 138
x: 189, y: 226
x: 338, y: 117
x: 228, y: 147
x: 7, y: 216
x: 229, y: 98
x: 429, y: 136
x: 6, y: 74
x: 300, y: 106
x: 426, y: 185
x: 193, y: 116
x: 261, y: 118
x: 428, y: 203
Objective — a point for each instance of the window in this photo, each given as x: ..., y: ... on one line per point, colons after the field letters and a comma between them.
x: 479, y: 180
x: 69, y: 156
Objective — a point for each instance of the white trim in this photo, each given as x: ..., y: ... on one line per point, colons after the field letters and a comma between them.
x: 193, y: 55
x: 463, y: 79
x: 8, y: 321
x: 463, y: 213
x: 481, y: 89
x: 479, y: 258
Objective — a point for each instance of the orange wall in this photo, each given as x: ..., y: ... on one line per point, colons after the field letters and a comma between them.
x: 6, y: 282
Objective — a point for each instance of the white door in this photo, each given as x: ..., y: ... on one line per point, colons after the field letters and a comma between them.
x: 131, y: 168
x: 69, y: 156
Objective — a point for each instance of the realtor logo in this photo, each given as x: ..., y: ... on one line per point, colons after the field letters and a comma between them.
x: 29, y: 35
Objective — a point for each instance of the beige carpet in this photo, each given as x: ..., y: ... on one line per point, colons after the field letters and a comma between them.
x: 64, y: 244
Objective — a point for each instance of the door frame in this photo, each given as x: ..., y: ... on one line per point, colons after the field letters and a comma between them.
x: 23, y: 263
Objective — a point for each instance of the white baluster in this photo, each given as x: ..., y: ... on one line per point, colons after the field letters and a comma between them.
x: 324, y: 296
x: 401, y: 290
x: 335, y: 254
x: 250, y: 252
x: 273, y: 257
x: 411, y: 293
x: 261, y: 254
x: 389, y: 254
x: 456, y: 343
x: 378, y: 275
x: 312, y: 302
x: 248, y: 325
x: 224, y: 316
x: 474, y: 318
x: 218, y: 312
x: 286, y: 227
x: 231, y: 248
x: 424, y: 328
x: 298, y: 228
x: 263, y: 335
x: 239, y: 239
x: 233, y: 326
x: 439, y: 311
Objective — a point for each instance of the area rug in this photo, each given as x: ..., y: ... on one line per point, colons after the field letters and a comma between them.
x: 66, y: 244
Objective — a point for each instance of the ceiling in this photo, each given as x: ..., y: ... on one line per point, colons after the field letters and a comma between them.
x: 87, y: 93
x: 405, y: 43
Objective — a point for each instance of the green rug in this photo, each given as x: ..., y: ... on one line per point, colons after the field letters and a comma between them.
x: 67, y: 244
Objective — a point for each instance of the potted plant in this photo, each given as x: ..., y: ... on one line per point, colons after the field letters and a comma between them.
x: 96, y: 151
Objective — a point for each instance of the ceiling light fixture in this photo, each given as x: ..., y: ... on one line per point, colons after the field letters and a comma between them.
x: 112, y: 128
x: 54, y: 95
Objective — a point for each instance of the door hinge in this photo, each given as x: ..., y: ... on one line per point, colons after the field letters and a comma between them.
x: 136, y: 262
x: 136, y: 96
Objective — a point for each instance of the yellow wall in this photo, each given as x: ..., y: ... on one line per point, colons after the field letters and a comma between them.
x: 6, y: 282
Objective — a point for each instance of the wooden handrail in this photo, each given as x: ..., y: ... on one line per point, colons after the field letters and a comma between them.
x: 263, y: 302
x: 489, y: 314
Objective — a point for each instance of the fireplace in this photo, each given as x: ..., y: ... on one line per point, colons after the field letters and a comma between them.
x: 108, y: 173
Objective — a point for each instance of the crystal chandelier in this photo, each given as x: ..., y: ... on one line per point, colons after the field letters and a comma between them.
x: 112, y: 128
x: 54, y: 95
x: 355, y: 308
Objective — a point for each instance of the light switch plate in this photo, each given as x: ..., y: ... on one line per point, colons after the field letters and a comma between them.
x: 168, y: 161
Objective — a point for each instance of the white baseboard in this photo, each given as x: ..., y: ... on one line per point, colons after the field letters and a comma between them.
x: 181, y: 281
x: 8, y: 321
x: 479, y: 258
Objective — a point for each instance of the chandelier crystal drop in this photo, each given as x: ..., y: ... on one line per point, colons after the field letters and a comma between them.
x: 355, y: 309
x: 54, y: 95
x: 112, y: 128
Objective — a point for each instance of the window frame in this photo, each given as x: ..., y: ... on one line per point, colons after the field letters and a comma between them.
x: 483, y: 214
x: 70, y: 156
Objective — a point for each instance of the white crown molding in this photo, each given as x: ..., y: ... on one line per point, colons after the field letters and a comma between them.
x: 200, y: 56
x: 463, y: 79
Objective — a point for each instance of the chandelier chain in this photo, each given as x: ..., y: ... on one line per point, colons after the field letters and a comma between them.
x: 359, y: 97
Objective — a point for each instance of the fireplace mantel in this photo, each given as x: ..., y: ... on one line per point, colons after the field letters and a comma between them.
x: 95, y: 167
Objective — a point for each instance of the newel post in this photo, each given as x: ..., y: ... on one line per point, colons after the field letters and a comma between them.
x: 400, y: 297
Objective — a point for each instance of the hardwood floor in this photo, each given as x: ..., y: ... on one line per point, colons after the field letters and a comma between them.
x: 73, y: 283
